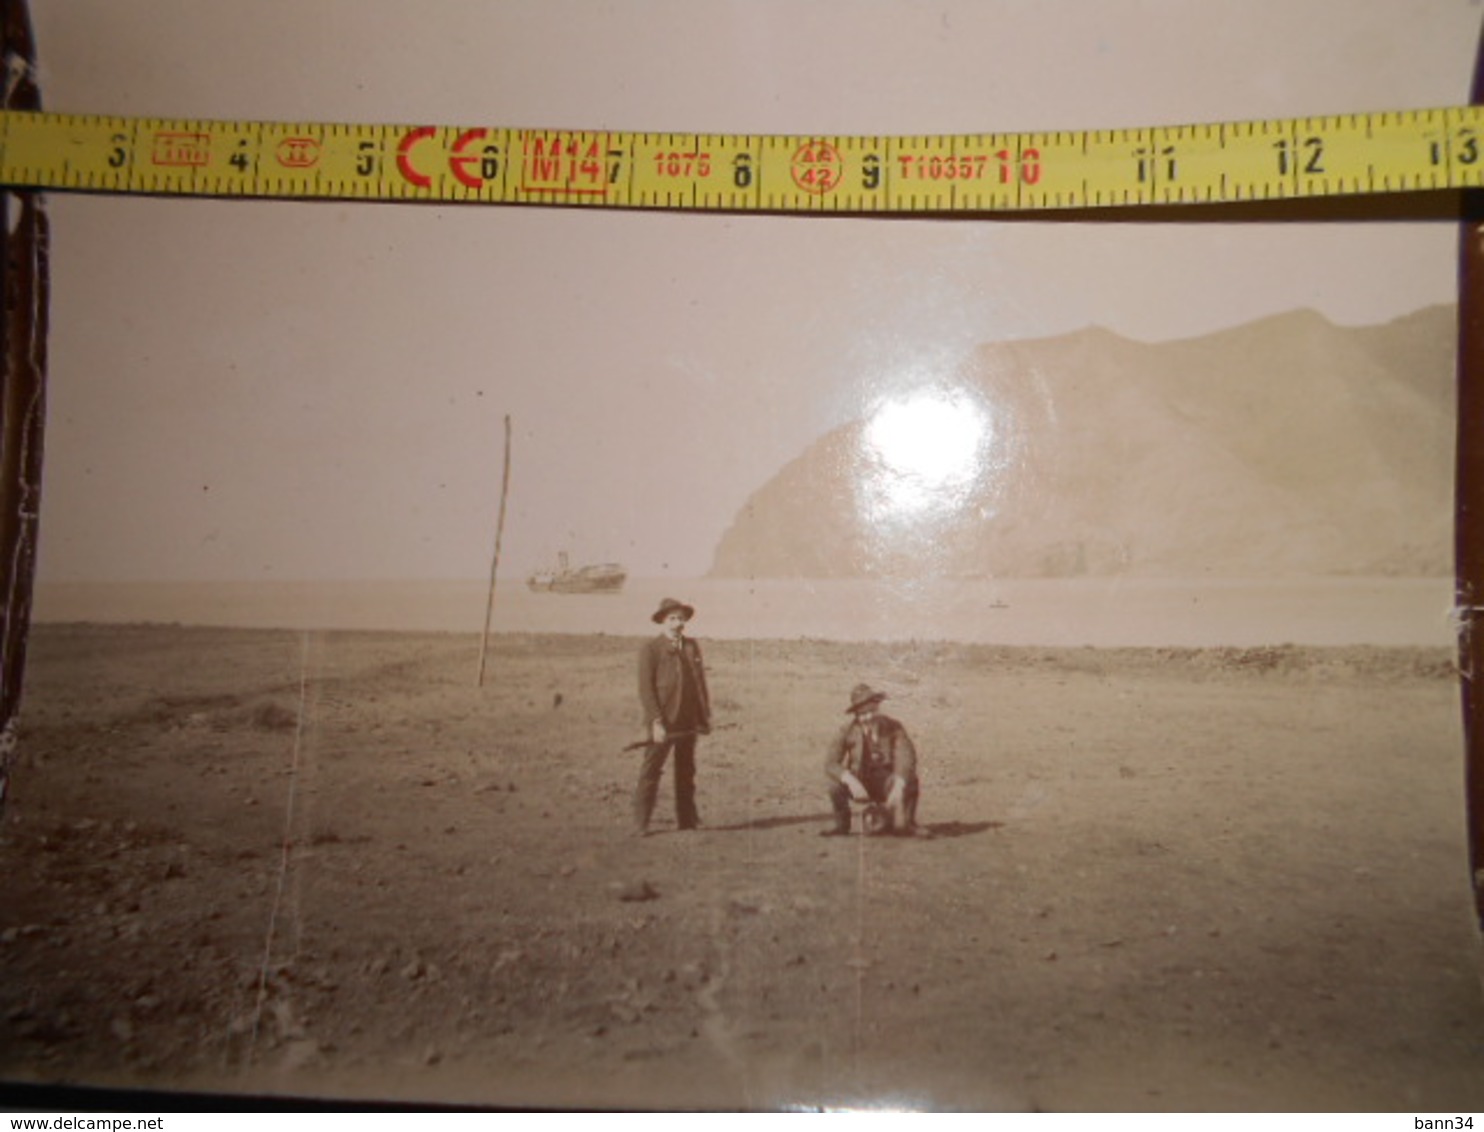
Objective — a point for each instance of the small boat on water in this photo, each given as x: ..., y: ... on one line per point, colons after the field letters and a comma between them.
x: 601, y: 578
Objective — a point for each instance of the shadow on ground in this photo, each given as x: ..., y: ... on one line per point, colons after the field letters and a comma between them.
x: 937, y: 829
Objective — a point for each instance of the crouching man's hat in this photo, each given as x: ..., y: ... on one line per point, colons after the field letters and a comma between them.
x: 669, y: 606
x: 862, y: 696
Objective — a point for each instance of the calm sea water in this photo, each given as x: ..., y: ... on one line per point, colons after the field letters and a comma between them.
x: 1107, y: 612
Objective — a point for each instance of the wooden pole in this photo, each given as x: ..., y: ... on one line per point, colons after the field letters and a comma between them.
x: 489, y: 607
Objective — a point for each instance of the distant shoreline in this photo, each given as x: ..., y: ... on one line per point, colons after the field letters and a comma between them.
x: 1327, y: 663
x: 1103, y: 612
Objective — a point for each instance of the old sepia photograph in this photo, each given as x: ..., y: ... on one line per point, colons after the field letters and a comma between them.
x: 577, y: 658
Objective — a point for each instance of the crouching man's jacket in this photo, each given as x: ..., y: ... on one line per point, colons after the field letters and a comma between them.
x: 878, y: 749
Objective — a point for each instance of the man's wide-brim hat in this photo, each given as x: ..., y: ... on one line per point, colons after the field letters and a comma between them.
x: 863, y: 695
x: 669, y: 606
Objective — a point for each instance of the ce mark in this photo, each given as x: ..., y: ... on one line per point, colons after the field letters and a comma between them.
x: 472, y: 165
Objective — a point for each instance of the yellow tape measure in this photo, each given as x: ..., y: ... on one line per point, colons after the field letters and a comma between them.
x: 1383, y: 152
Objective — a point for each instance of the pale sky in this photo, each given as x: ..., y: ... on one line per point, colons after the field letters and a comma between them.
x: 246, y: 390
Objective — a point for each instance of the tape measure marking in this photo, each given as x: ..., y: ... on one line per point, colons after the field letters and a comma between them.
x: 1386, y: 151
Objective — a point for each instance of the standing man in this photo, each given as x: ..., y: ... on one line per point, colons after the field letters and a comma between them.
x: 677, y: 708
x: 872, y: 760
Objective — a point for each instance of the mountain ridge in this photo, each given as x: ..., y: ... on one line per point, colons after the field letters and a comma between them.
x: 1284, y: 446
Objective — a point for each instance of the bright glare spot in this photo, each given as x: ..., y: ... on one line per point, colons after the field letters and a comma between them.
x: 930, y: 448
x: 931, y: 437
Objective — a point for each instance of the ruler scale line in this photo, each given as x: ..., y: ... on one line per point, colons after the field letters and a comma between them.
x: 1314, y: 156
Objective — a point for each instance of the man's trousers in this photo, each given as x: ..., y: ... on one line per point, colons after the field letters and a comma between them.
x: 903, y: 817
x: 650, y: 771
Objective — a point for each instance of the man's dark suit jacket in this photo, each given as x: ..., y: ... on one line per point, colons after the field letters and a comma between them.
x: 660, y: 681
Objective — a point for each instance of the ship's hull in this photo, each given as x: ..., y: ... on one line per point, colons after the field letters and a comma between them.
x: 605, y: 579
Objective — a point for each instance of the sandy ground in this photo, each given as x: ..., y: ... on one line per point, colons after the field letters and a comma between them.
x: 330, y: 864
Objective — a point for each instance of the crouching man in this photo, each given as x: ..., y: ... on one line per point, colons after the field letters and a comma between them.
x: 872, y: 760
